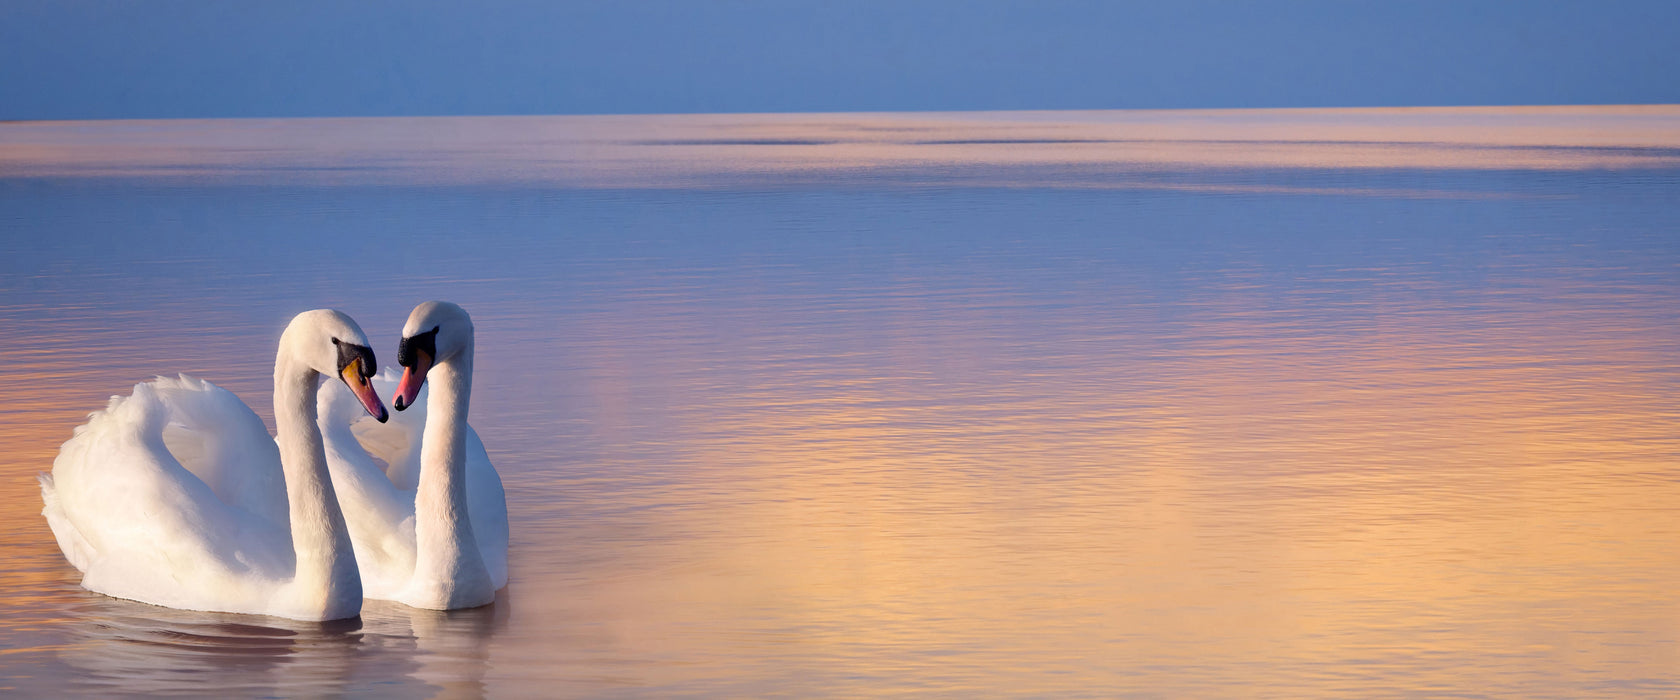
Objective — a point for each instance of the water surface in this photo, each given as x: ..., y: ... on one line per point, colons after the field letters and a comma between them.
x: 1293, y: 403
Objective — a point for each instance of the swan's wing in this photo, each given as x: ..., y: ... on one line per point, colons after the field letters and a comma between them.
x: 149, y: 529
x: 70, y: 540
x: 487, y: 507
x: 370, y: 447
x: 397, y: 442
x: 220, y: 440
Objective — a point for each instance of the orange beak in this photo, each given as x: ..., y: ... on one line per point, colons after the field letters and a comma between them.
x: 359, y: 385
x: 408, y: 388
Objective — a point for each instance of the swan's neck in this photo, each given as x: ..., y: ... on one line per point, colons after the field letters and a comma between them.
x: 449, y: 572
x: 326, y: 571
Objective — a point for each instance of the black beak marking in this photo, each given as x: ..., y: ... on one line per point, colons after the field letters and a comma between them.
x: 349, y: 352
x: 407, y: 347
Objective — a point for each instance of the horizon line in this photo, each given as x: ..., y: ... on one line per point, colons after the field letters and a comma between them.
x: 490, y: 115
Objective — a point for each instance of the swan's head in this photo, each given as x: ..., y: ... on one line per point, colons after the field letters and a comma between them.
x: 436, y: 332
x: 331, y: 343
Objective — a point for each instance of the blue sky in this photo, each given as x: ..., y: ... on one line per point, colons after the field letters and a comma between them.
x: 79, y: 59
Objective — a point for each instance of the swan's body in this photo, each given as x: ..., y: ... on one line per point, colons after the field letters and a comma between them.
x: 379, y: 502
x: 176, y: 495
x: 430, y: 529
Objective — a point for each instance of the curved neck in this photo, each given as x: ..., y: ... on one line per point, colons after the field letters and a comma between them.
x: 447, y: 561
x: 325, y: 561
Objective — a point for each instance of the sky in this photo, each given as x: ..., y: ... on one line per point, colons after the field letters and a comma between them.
x: 114, y: 59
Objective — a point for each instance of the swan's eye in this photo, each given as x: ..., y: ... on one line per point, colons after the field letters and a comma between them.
x: 359, y: 355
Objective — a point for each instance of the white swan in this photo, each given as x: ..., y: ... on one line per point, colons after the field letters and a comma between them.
x: 177, y: 496
x: 430, y: 529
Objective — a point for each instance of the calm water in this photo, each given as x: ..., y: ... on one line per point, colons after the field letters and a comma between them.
x: 1197, y: 404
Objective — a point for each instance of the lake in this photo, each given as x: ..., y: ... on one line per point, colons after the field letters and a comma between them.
x: 1279, y: 403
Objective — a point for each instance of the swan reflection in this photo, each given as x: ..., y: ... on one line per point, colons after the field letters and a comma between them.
x: 451, y: 647
x: 127, y: 647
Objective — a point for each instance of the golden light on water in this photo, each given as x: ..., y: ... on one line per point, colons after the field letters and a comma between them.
x: 1281, y: 504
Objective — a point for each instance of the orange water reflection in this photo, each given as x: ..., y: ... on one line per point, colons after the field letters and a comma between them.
x: 1298, y: 507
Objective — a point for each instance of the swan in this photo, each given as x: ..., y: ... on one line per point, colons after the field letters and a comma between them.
x: 430, y: 527
x: 176, y: 495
